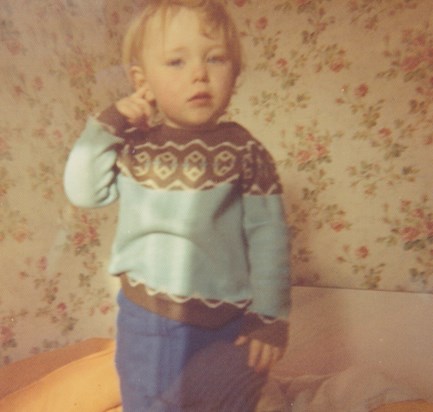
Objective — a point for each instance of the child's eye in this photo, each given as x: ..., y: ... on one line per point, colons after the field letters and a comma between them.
x: 175, y: 62
x: 217, y: 59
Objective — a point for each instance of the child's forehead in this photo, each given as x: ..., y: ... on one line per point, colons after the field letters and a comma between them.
x: 183, y: 22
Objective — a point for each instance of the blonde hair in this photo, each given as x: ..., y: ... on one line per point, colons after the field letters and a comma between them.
x: 214, y: 17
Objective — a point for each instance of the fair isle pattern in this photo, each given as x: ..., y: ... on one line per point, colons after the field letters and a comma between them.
x: 260, y: 176
x: 199, y: 163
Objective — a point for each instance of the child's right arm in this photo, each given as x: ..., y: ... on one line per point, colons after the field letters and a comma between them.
x: 91, y: 174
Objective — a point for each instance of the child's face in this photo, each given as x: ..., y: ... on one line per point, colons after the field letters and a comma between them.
x: 189, y: 73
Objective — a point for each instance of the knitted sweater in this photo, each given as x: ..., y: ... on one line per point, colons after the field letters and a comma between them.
x: 200, y: 212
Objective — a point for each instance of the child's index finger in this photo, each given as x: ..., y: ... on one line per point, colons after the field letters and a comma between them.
x: 140, y: 92
x: 144, y: 93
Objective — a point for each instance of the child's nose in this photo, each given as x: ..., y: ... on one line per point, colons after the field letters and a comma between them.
x: 200, y: 72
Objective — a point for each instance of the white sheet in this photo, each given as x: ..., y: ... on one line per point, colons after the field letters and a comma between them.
x: 356, y: 389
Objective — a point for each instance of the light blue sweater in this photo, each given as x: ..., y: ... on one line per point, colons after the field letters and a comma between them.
x: 200, y: 213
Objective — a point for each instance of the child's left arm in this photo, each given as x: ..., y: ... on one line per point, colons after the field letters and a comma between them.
x: 267, y: 237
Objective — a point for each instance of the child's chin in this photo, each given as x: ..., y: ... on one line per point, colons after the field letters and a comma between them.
x: 201, y: 123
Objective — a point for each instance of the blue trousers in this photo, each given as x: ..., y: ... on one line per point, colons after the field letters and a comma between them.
x: 169, y: 366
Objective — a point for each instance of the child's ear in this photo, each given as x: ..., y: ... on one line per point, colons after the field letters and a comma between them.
x: 137, y: 77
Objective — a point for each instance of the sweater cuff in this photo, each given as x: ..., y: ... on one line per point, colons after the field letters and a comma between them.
x: 273, y: 331
x: 113, y: 120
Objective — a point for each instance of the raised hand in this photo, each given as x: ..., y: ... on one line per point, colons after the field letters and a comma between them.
x: 138, y: 108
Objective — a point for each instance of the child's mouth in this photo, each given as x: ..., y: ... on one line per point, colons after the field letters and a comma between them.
x: 200, y: 98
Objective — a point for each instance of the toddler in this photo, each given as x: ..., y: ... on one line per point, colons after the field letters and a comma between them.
x: 201, y: 247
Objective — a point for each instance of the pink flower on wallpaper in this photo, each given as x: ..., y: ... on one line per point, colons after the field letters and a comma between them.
x: 361, y: 90
x: 92, y: 233
x: 303, y: 156
x: 338, y: 225
x: 281, y: 63
x: 262, y: 23
x: 6, y: 335
x: 418, y: 212
x: 385, y: 132
x: 81, y: 68
x: 428, y: 55
x: 84, y: 217
x: 299, y: 129
x: 105, y: 308
x: 42, y: 263
x: 57, y: 137
x: 409, y: 233
x: 79, y: 239
x: 61, y: 308
x: 20, y: 235
x: 321, y: 151
x: 3, y: 191
x: 404, y: 205
x: 353, y: 5
x: 115, y: 18
x: 310, y: 137
x: 14, y: 47
x: 362, y: 252
x: 410, y: 63
x: 420, y: 40
x: 303, y: 3
x: 18, y: 91
x: 337, y: 65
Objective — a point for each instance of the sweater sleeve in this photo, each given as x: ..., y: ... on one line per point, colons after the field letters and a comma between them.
x: 267, y: 237
x: 266, y: 234
x: 91, y: 175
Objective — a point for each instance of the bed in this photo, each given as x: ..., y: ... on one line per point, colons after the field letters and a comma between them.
x: 349, y: 351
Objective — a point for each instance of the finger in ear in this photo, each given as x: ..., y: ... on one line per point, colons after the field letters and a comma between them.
x: 137, y: 77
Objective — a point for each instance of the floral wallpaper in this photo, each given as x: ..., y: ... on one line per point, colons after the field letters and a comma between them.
x: 340, y: 91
